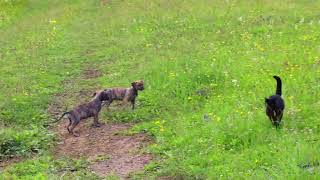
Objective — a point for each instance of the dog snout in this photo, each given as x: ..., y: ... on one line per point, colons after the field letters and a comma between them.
x: 141, y: 87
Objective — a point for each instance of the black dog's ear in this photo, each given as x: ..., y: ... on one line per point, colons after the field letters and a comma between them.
x: 266, y: 100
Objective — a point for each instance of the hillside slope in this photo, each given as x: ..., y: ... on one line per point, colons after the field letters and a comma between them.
x: 207, y: 66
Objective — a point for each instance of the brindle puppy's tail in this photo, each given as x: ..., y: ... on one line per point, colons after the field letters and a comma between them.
x: 61, y: 117
x: 279, y: 85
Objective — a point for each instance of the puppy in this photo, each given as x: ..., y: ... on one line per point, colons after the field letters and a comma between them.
x: 90, y: 109
x: 124, y: 94
x: 275, y: 104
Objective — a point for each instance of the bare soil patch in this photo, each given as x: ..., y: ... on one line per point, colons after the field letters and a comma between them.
x: 108, y: 148
x: 92, y: 73
x: 104, y: 2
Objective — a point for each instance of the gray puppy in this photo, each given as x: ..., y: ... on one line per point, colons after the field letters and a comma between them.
x: 90, y: 109
x: 124, y: 94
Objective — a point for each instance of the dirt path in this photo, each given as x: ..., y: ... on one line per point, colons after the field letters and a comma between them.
x: 109, y: 150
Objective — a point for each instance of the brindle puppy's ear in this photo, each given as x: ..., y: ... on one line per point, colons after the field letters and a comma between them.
x: 134, y: 83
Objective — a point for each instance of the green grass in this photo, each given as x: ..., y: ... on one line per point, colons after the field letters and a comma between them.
x: 198, y: 59
x: 47, y: 167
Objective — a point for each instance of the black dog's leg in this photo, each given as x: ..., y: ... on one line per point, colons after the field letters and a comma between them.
x: 280, y: 115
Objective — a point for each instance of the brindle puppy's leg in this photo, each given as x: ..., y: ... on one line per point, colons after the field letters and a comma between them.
x: 96, y: 121
x: 126, y: 100
x: 74, y: 124
x: 70, y: 122
x: 108, y: 103
x: 133, y: 102
x: 123, y: 104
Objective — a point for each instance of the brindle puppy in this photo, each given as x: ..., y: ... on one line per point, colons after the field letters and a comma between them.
x: 124, y: 94
x: 90, y: 109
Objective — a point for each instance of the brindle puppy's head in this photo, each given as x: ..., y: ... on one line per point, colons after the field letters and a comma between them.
x: 138, y: 85
x: 102, y: 95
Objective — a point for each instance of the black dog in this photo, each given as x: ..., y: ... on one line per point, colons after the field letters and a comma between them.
x: 275, y: 104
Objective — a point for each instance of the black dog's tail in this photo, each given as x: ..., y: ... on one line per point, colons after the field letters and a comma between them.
x: 61, y: 117
x: 279, y: 85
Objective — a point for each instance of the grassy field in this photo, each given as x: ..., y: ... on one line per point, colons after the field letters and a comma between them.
x: 208, y: 66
